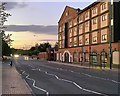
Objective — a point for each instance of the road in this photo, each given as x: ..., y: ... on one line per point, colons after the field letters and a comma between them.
x: 45, y: 77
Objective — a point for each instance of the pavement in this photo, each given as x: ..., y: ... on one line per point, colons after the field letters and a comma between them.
x: 45, y: 77
x: 12, y: 82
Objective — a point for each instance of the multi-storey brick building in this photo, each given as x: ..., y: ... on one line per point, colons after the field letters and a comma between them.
x: 85, y: 35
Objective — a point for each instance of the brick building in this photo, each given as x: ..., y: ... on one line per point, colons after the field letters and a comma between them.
x: 48, y: 55
x: 84, y: 35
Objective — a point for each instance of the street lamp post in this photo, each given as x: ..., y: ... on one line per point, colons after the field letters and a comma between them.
x: 110, y: 31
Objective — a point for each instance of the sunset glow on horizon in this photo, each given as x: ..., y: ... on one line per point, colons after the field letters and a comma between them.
x: 25, y: 40
x: 35, y: 22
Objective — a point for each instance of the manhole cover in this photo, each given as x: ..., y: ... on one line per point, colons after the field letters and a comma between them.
x: 12, y: 87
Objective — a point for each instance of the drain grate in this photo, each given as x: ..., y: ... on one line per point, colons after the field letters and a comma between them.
x: 12, y: 87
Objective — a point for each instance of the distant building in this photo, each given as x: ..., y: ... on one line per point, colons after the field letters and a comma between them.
x: 84, y: 35
x: 48, y: 55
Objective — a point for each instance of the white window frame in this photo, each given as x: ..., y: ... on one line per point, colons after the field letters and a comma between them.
x: 104, y: 37
x: 86, y: 40
x: 75, y: 21
x: 103, y: 17
x: 103, y: 6
x: 70, y: 24
x: 63, y: 43
x: 80, y: 18
x: 80, y: 41
x: 86, y: 24
x: 95, y: 39
x: 60, y: 36
x: 75, y: 41
x: 75, y: 31
x: 80, y: 27
x: 86, y: 15
x: 94, y: 10
x: 70, y: 32
x: 70, y: 43
x: 94, y: 21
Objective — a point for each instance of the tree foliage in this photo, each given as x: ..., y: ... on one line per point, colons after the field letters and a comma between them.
x: 34, y: 50
x: 6, y: 41
x: 43, y: 47
x: 5, y: 49
x: 56, y: 46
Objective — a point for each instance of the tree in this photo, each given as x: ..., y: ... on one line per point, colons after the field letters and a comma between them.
x: 5, y: 49
x: 56, y: 46
x: 44, y: 46
x: 32, y: 48
x: 39, y: 48
x: 6, y: 41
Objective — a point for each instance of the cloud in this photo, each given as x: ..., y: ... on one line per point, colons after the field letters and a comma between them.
x: 48, y: 40
x: 22, y: 5
x: 37, y: 29
x: 12, y: 5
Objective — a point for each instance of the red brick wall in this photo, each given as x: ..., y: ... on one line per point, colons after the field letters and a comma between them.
x: 94, y: 48
x: 43, y: 55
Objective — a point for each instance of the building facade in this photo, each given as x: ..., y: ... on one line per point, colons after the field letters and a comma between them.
x: 84, y: 35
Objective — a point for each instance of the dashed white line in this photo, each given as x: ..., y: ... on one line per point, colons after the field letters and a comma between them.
x: 101, y: 78
x: 114, y: 81
x: 69, y: 81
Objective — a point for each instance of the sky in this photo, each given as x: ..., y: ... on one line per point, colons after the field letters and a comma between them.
x: 36, y: 22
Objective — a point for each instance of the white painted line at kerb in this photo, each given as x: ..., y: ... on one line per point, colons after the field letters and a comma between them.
x: 114, y: 81
x: 101, y: 78
x: 74, y: 83
x: 27, y: 77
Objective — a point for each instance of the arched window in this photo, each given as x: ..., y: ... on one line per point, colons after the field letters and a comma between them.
x: 66, y: 57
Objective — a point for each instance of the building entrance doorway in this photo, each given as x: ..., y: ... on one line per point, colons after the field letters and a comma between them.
x: 66, y: 57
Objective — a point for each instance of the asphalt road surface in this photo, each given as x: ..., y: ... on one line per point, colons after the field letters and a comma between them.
x: 46, y: 78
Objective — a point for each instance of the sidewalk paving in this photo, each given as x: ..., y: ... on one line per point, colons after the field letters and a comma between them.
x: 12, y: 82
x: 82, y: 66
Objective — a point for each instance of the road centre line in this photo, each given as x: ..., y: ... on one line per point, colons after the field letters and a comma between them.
x: 88, y: 75
x: 27, y: 77
x: 74, y: 83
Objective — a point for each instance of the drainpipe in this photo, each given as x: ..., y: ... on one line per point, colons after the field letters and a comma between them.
x: 90, y: 40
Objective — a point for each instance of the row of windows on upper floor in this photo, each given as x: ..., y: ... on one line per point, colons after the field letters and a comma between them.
x: 94, y: 41
x: 73, y: 31
x: 94, y: 38
x: 103, y: 19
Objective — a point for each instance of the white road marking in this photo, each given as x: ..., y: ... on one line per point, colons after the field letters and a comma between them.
x: 27, y: 76
x: 101, y: 78
x: 114, y: 81
x: 34, y: 69
x: 91, y: 91
x: 71, y: 71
